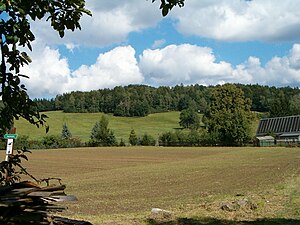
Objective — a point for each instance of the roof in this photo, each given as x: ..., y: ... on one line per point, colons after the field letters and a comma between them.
x: 290, y: 135
x: 265, y: 138
x: 279, y: 125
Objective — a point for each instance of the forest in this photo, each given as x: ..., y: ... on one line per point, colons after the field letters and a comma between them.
x: 141, y: 100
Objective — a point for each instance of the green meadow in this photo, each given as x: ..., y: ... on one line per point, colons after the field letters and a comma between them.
x: 80, y: 124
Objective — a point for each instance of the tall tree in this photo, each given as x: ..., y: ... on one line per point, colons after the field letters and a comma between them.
x: 101, y: 135
x: 189, y: 118
x: 229, y: 115
x: 295, y: 104
x: 280, y: 105
x: 65, y: 132
x: 133, y: 139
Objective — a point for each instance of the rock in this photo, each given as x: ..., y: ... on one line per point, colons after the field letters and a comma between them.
x: 229, y: 207
x: 238, y: 204
x: 161, y: 212
x: 243, y: 202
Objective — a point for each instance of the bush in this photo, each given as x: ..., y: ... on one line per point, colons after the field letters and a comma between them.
x: 51, y: 141
x: 147, y: 140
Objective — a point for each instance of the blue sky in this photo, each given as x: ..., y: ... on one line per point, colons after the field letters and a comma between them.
x: 207, y: 42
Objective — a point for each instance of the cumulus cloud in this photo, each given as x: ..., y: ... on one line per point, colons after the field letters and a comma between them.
x: 182, y: 64
x: 111, y: 23
x: 190, y: 64
x: 50, y: 74
x: 158, y: 43
x: 226, y: 20
x: 240, y: 20
x: 175, y: 64
x: 117, y: 67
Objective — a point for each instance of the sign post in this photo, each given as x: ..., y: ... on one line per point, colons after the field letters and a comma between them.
x: 10, y: 143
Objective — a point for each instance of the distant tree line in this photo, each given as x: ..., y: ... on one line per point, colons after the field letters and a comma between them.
x: 225, y: 118
x: 141, y: 100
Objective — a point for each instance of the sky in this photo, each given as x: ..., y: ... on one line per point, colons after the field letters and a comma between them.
x: 207, y: 42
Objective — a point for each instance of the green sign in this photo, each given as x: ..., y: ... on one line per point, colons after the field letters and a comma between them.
x: 10, y: 136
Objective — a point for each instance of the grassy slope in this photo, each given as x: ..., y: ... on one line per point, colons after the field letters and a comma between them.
x: 121, y: 185
x: 80, y: 124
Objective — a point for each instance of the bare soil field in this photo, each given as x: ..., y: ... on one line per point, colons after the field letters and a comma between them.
x: 120, y: 185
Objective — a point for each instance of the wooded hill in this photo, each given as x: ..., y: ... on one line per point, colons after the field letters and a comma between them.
x: 141, y: 100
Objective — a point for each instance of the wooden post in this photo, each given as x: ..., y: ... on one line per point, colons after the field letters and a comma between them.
x: 10, y: 144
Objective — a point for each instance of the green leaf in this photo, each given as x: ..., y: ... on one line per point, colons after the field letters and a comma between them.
x: 2, y: 7
x: 165, y: 10
x: 26, y: 57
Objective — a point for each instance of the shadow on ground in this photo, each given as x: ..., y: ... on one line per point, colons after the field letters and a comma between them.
x: 187, y: 221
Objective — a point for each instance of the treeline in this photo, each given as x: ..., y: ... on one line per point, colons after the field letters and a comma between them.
x: 141, y: 100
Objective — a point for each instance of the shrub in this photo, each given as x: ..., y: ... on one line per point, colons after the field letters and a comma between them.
x: 147, y: 140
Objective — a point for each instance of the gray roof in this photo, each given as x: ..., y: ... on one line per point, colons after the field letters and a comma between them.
x: 290, y: 135
x: 279, y: 125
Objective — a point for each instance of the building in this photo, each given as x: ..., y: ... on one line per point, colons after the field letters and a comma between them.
x: 264, y: 141
x: 285, y: 129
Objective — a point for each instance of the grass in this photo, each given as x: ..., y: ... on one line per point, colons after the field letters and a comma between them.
x: 80, y: 124
x: 121, y: 185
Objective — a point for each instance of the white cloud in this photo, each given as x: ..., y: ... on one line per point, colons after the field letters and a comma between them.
x: 279, y: 71
x: 190, y: 64
x: 239, y: 20
x: 50, y: 74
x: 184, y: 63
x: 117, y: 67
x: 158, y: 43
x: 111, y: 22
x: 226, y: 20
x: 175, y: 64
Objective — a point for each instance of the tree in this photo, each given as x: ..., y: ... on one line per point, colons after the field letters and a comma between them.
x: 65, y: 133
x: 229, y: 115
x: 16, y: 38
x: 101, y: 135
x: 280, y: 105
x: 133, y: 140
x: 189, y: 118
x: 295, y: 104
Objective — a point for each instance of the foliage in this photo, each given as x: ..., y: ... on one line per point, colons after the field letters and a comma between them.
x: 280, y: 105
x: 51, y: 141
x: 101, y: 135
x: 141, y: 100
x: 17, y: 36
x: 167, y: 5
x: 11, y: 170
x: 192, y: 138
x: 295, y: 104
x: 147, y: 140
x: 133, y: 140
x: 189, y: 118
x: 122, y: 142
x: 230, y: 115
x: 65, y: 133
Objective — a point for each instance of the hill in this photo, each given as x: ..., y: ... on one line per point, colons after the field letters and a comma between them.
x: 80, y: 124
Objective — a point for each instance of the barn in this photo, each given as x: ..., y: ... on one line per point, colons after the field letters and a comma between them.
x: 285, y: 129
